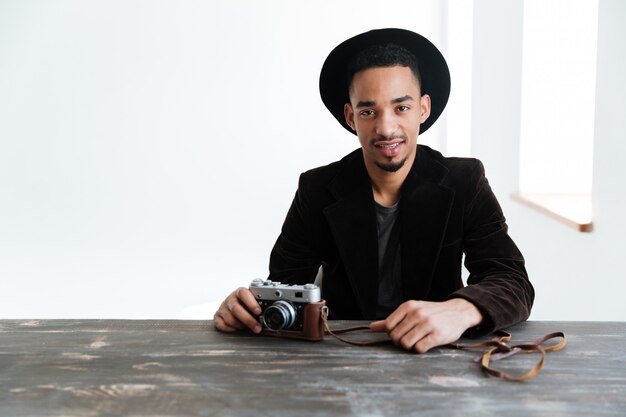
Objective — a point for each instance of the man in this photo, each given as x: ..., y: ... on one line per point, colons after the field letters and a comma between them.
x: 389, y: 223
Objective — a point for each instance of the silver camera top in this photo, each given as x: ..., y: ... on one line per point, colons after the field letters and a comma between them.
x: 270, y: 290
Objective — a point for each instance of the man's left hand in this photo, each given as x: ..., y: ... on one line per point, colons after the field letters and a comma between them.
x: 422, y: 325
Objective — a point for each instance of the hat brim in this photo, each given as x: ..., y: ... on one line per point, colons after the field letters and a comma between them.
x: 433, y: 69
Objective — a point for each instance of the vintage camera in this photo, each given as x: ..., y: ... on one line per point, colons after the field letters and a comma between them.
x: 292, y: 311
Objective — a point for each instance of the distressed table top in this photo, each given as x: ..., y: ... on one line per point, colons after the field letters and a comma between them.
x: 186, y: 368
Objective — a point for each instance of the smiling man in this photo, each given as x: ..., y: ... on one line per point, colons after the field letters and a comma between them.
x: 389, y: 223
x: 386, y: 128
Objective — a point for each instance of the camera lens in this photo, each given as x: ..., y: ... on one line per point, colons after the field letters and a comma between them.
x: 280, y: 315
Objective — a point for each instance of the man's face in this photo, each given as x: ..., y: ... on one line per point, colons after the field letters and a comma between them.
x: 386, y: 109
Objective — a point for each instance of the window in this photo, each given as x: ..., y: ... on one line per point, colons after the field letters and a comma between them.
x: 558, y: 107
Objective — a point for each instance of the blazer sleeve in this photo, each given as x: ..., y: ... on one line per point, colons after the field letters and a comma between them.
x: 498, y: 284
x: 293, y: 259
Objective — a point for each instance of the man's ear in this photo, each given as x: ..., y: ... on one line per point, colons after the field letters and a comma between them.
x: 348, y: 113
x: 424, y: 108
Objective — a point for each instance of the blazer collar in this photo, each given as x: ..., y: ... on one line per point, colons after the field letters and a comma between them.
x: 424, y: 209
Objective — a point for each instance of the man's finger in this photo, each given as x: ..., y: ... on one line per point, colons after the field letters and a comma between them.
x: 409, y: 339
x: 221, y: 324
x: 231, y: 321
x: 400, y: 314
x: 390, y: 322
x: 378, y: 326
x: 407, y: 326
x: 244, y: 317
x: 245, y: 296
x: 426, y: 343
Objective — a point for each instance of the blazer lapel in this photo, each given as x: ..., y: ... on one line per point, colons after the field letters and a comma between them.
x: 352, y: 220
x: 425, y: 208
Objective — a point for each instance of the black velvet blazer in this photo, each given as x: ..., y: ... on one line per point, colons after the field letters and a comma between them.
x: 446, y: 209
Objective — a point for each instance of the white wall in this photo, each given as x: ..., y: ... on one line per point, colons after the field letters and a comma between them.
x: 149, y: 150
x: 577, y: 276
x: 607, y: 274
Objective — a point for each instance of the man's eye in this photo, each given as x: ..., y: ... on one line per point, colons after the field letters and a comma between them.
x: 366, y: 113
x: 403, y: 108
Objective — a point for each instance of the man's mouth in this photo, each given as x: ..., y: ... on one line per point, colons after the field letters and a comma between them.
x: 389, y: 148
x: 393, y: 145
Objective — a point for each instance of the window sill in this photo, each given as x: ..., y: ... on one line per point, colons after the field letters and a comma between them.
x: 572, y: 209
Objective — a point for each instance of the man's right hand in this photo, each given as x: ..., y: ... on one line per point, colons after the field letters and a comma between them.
x: 235, y: 312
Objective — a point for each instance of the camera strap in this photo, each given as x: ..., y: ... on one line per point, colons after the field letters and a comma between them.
x: 496, y: 348
x: 336, y: 332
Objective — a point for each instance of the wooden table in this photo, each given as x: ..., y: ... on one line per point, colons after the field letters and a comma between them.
x: 186, y: 368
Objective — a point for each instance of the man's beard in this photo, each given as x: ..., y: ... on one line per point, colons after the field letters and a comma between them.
x: 391, y: 166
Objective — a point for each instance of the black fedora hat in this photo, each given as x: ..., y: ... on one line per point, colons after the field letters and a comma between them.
x: 433, y: 68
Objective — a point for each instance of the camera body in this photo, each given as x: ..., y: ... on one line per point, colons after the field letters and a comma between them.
x: 292, y: 311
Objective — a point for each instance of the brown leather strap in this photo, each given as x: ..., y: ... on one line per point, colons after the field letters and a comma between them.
x: 335, y: 332
x: 497, y: 348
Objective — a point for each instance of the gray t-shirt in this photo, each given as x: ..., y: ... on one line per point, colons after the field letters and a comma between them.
x: 389, y: 266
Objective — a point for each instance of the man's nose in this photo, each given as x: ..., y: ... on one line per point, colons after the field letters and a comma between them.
x: 386, y: 124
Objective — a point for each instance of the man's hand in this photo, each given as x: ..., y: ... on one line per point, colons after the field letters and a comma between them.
x: 234, y: 313
x: 422, y: 325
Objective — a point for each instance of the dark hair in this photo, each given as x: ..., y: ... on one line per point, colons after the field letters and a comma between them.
x: 388, y: 55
